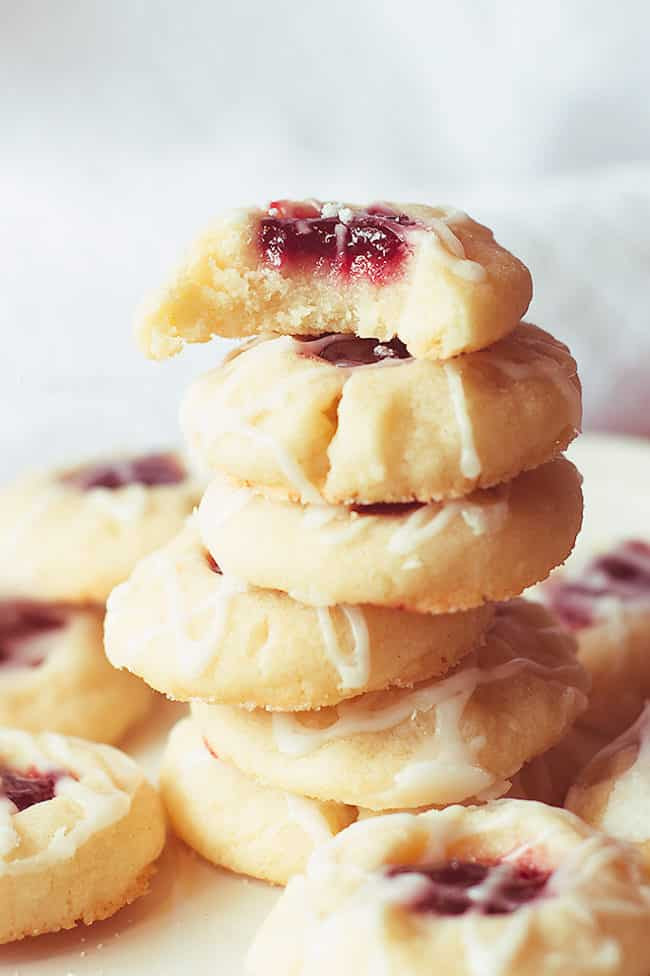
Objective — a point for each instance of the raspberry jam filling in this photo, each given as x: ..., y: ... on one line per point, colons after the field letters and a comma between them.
x: 622, y: 575
x: 350, y: 350
x: 386, y: 508
x: 213, y: 564
x: 28, y: 788
x: 325, y: 238
x: 487, y: 889
x: 150, y: 470
x: 21, y: 624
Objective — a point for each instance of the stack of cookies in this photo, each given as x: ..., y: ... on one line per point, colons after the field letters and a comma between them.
x: 386, y: 474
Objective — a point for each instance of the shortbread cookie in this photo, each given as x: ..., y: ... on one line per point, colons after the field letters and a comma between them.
x: 54, y: 674
x: 233, y: 821
x: 80, y: 828
x: 510, y: 889
x: 348, y: 420
x: 72, y: 535
x: 192, y: 632
x: 438, y: 557
x: 608, y: 607
x: 442, y: 742
x: 431, y: 276
x: 613, y: 792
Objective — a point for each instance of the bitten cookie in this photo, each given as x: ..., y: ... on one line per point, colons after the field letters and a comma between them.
x: 233, y: 821
x: 431, y: 276
x: 347, y: 420
x: 513, y: 888
x: 72, y: 535
x: 80, y: 829
x: 192, y: 632
x: 607, y: 606
x: 54, y: 674
x: 442, y: 742
x: 613, y: 792
x: 429, y: 558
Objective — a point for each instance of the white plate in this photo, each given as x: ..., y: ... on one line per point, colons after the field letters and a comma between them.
x: 199, y: 920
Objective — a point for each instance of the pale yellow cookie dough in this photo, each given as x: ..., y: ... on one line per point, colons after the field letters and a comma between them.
x: 459, y: 290
x: 434, y: 558
x: 296, y: 426
x: 192, y: 633
x: 83, y: 854
x: 75, y: 690
x: 235, y: 822
x: 349, y: 915
x: 58, y: 542
x: 442, y: 742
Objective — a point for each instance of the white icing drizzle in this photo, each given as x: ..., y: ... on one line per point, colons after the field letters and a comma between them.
x: 470, y: 464
x: 335, y: 523
x: 240, y: 419
x: 449, y: 249
x: 194, y: 650
x: 308, y: 816
x: 429, y: 520
x: 126, y: 504
x: 490, y: 946
x: 100, y: 802
x: 354, y: 668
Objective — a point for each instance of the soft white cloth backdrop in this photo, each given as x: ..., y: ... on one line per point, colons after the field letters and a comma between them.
x: 125, y: 125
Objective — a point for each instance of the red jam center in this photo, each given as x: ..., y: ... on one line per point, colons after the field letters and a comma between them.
x: 622, y: 575
x: 213, y: 564
x: 350, y: 350
x: 366, y: 243
x: 28, y: 788
x: 488, y: 889
x: 150, y: 470
x: 386, y: 508
x: 20, y: 623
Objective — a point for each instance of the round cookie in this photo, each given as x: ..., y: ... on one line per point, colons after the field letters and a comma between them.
x: 613, y: 791
x: 346, y: 420
x: 194, y: 633
x: 513, y: 889
x: 430, y: 275
x: 234, y: 822
x: 428, y: 558
x: 71, y: 535
x: 442, y: 742
x: 54, y: 675
x: 80, y: 828
x: 607, y: 606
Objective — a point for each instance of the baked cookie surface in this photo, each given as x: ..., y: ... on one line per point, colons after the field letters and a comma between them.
x: 233, y: 821
x: 431, y: 276
x: 612, y: 793
x: 80, y: 829
x: 513, y: 888
x: 54, y: 674
x: 441, y: 742
x: 346, y: 420
x: 193, y: 633
x: 607, y: 607
x: 71, y: 535
x: 439, y: 557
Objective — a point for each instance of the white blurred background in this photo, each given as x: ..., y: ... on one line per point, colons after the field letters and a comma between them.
x: 127, y: 123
